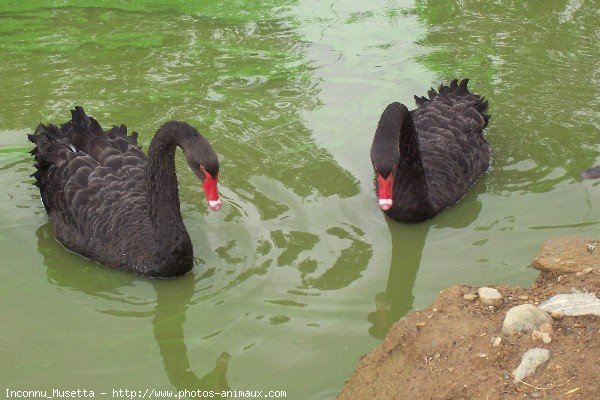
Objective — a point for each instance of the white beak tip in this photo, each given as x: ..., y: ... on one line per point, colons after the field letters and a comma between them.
x: 385, y: 204
x: 214, y: 205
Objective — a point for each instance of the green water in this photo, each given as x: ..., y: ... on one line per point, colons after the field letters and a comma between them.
x: 299, y: 274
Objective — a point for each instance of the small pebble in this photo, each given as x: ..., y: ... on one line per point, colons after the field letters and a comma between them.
x: 524, y: 298
x: 591, y: 246
x: 481, y: 355
x: 470, y: 296
x: 557, y: 315
x: 505, y: 375
x: 547, y: 328
x: 489, y: 296
x: 497, y: 341
x: 584, y: 272
x: 535, y: 395
x: 437, y: 355
x: 545, y: 336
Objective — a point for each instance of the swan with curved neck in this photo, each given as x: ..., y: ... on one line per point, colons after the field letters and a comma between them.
x: 111, y: 203
x: 425, y: 160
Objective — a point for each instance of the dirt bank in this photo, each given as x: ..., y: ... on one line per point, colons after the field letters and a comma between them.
x: 451, y: 349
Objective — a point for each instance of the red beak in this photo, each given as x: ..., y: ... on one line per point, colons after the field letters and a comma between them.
x: 384, y: 191
x: 210, y: 190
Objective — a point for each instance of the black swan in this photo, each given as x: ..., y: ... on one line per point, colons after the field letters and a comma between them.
x: 591, y: 173
x: 425, y: 160
x: 111, y: 203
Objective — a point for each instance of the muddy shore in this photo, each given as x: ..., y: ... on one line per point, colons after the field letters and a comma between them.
x: 455, y: 348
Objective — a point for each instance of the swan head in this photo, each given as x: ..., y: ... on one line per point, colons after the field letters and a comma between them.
x: 385, y: 151
x: 203, y: 161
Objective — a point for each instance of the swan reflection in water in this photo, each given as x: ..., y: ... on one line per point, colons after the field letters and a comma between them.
x: 168, y: 316
x: 408, y: 242
x: 173, y: 298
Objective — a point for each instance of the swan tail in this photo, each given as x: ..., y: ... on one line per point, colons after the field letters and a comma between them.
x: 455, y: 88
x: 52, y: 149
x: 51, y: 146
x: 117, y: 132
x: 86, y: 134
x: 457, y: 93
x: 421, y: 100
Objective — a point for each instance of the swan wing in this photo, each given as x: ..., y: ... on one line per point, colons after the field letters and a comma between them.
x: 95, y: 199
x: 450, y: 124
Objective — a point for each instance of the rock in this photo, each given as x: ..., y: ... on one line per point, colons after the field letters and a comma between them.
x: 496, y: 341
x: 470, y: 296
x: 566, y: 255
x: 524, y: 317
x: 481, y: 355
x: 524, y: 298
x: 573, y: 304
x: 544, y: 336
x: 546, y: 328
x: 489, y: 296
x: 532, y: 359
x: 557, y: 315
x: 584, y: 272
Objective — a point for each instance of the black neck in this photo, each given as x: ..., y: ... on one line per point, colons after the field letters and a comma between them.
x: 410, y: 185
x: 163, y: 195
x: 408, y: 145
